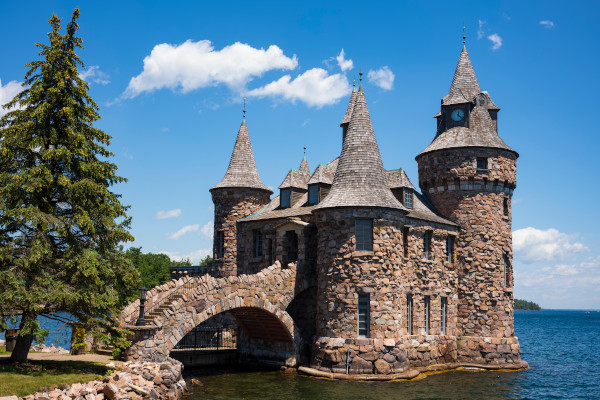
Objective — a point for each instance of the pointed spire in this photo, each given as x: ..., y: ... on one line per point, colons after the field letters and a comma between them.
x: 242, y: 168
x: 348, y: 114
x: 304, y: 164
x: 464, y: 85
x: 360, y: 179
x: 360, y: 89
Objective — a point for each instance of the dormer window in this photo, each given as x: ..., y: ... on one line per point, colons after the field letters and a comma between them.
x: 408, y: 198
x: 313, y: 194
x: 284, y: 198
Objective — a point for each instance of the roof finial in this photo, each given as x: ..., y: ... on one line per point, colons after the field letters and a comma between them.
x: 360, y: 74
x: 464, y: 36
x: 304, y: 151
x: 244, y: 112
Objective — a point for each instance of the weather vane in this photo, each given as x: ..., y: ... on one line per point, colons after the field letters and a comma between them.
x: 464, y: 36
x: 304, y: 151
x: 244, y: 115
x: 360, y: 76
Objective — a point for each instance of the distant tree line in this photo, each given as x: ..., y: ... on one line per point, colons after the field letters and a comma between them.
x: 526, y: 305
x: 153, y: 269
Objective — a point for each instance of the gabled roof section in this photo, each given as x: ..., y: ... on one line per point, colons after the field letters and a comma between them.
x: 351, y: 103
x: 481, y: 133
x: 464, y: 85
x: 397, y: 178
x: 296, y: 179
x: 360, y: 178
x: 242, y: 168
x: 323, y: 174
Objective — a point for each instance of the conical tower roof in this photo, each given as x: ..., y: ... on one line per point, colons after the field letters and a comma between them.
x: 360, y: 179
x: 304, y: 165
x: 464, y: 85
x: 351, y: 103
x: 242, y: 171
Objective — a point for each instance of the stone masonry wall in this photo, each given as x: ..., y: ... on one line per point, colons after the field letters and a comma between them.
x: 479, y: 200
x: 230, y: 205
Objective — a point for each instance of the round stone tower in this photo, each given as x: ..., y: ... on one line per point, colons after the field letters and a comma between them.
x: 239, y: 194
x: 469, y: 175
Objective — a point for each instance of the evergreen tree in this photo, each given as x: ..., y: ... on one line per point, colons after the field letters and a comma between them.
x: 60, y: 225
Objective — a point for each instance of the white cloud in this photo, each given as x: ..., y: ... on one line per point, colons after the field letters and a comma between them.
x: 547, y: 24
x: 183, y: 231
x: 194, y: 256
x: 314, y: 87
x: 344, y: 64
x: 480, y: 31
x: 192, y: 65
x: 496, y: 39
x: 95, y: 75
x: 207, y: 231
x: 533, y: 245
x: 164, y: 214
x: 383, y: 77
x: 7, y: 93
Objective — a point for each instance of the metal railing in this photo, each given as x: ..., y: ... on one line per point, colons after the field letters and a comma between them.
x: 208, y: 338
x: 191, y: 270
x: 168, y: 297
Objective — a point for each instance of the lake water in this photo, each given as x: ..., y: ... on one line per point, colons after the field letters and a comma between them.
x: 561, y: 347
x: 59, y: 333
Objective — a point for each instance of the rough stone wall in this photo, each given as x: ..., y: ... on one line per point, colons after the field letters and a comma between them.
x: 475, y: 198
x: 384, y: 273
x: 232, y: 204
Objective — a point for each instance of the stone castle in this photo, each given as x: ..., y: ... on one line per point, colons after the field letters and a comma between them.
x: 391, y: 265
x: 350, y: 269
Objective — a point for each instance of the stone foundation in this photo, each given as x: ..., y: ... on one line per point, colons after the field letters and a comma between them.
x: 394, y: 356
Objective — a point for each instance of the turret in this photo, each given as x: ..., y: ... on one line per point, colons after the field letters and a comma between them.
x: 239, y: 194
x: 469, y: 175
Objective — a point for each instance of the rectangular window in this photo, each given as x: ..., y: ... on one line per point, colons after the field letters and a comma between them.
x: 363, y: 314
x: 427, y: 245
x: 426, y: 300
x: 284, y: 198
x: 405, y: 240
x: 220, y: 244
x: 505, y: 206
x: 258, y: 243
x: 408, y: 198
x: 450, y: 249
x: 409, y: 314
x: 443, y: 314
x: 363, y: 231
x: 482, y: 163
x: 313, y: 194
x: 505, y: 264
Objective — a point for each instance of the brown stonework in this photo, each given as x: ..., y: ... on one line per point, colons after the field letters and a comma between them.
x: 232, y: 204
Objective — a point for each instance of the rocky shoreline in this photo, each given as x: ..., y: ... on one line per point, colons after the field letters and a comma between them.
x: 130, y: 381
x: 42, y: 348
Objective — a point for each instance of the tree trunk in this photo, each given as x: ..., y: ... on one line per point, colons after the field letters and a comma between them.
x: 23, y: 344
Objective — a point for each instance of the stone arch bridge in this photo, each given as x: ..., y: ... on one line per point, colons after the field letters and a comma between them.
x: 259, y: 302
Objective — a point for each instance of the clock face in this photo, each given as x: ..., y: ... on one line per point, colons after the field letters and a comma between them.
x: 457, y: 114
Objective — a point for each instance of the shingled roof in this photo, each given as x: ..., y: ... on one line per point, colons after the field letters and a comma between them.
x: 304, y: 165
x: 397, y: 178
x: 323, y: 174
x: 242, y: 168
x: 360, y: 178
x: 295, y: 179
x: 351, y: 103
x: 464, y: 85
x: 481, y: 133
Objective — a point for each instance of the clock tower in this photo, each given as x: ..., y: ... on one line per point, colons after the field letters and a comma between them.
x: 469, y: 174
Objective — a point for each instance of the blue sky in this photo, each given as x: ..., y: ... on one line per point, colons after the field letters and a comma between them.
x: 170, y: 77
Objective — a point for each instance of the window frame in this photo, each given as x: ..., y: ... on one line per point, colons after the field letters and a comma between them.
x: 409, y: 314
x: 450, y: 249
x: 257, y: 243
x: 220, y: 244
x: 363, y: 237
x: 427, y: 311
x: 505, y: 264
x: 484, y: 161
x: 427, y: 239
x: 443, y: 314
x: 363, y: 309
x: 311, y: 189
x: 288, y: 197
x: 408, y: 198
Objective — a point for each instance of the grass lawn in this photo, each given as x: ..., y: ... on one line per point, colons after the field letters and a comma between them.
x: 21, y: 379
